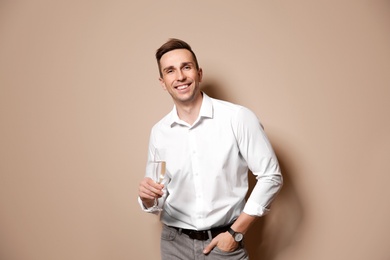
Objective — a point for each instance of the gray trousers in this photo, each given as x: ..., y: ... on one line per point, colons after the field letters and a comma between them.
x: 178, y: 246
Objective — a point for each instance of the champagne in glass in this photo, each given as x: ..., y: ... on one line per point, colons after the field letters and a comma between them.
x: 159, y: 171
x: 159, y: 165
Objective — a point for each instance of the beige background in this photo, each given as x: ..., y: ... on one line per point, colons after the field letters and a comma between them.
x: 79, y: 93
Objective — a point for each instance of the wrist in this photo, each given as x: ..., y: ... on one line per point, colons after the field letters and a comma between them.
x: 150, y: 203
x: 237, y: 236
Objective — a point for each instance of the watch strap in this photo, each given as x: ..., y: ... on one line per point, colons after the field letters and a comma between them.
x: 237, y: 236
x: 231, y: 231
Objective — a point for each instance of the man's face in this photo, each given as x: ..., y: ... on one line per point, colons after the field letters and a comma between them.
x: 180, y: 76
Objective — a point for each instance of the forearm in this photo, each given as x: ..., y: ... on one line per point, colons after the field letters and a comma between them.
x: 243, y: 223
x: 260, y: 199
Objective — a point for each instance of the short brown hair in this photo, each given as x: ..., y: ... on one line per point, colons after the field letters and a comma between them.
x: 170, y: 45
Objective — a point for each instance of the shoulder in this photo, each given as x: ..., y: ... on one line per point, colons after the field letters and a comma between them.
x: 242, y: 119
x: 236, y: 111
x: 163, y: 123
x: 225, y: 106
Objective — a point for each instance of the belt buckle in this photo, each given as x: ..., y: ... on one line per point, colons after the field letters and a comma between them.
x: 198, y: 235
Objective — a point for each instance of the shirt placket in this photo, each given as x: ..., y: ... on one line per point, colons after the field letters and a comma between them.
x: 194, y: 155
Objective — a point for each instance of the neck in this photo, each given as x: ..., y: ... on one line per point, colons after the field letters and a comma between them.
x: 189, y: 112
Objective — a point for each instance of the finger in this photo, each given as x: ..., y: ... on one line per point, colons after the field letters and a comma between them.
x: 151, y: 184
x: 155, y: 189
x: 210, y: 246
x: 146, y: 195
x: 149, y: 189
x: 149, y: 192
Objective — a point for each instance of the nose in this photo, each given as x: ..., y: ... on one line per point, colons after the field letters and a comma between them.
x: 180, y: 75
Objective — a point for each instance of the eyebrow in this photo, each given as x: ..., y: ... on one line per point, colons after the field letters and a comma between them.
x: 187, y: 63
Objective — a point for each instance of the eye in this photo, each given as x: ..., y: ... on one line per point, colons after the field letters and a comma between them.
x: 188, y: 67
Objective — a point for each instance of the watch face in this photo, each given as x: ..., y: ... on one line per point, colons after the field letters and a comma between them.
x: 238, y: 237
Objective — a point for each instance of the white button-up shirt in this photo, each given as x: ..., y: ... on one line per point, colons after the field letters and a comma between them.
x: 207, y: 166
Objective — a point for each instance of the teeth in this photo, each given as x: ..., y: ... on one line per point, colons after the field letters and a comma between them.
x: 182, y: 87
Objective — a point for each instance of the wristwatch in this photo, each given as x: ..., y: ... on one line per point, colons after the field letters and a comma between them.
x: 236, y: 235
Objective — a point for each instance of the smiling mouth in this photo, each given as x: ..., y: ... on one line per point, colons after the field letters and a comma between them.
x: 181, y: 87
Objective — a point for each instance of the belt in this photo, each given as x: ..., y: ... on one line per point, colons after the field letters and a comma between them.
x: 202, y: 234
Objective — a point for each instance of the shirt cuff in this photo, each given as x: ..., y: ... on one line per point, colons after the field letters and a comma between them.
x: 253, y: 209
x: 154, y: 209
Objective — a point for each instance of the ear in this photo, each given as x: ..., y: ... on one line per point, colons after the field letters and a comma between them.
x: 162, y: 82
x: 200, y: 74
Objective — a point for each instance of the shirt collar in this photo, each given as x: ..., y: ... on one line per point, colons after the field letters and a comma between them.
x: 206, y: 110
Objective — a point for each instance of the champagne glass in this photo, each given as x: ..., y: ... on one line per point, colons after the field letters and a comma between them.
x: 159, y: 165
x: 159, y: 171
x: 158, y: 174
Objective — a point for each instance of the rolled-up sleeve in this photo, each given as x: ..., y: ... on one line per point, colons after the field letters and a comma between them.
x: 261, y: 159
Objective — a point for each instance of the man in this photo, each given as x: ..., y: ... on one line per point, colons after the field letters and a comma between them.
x: 208, y: 146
